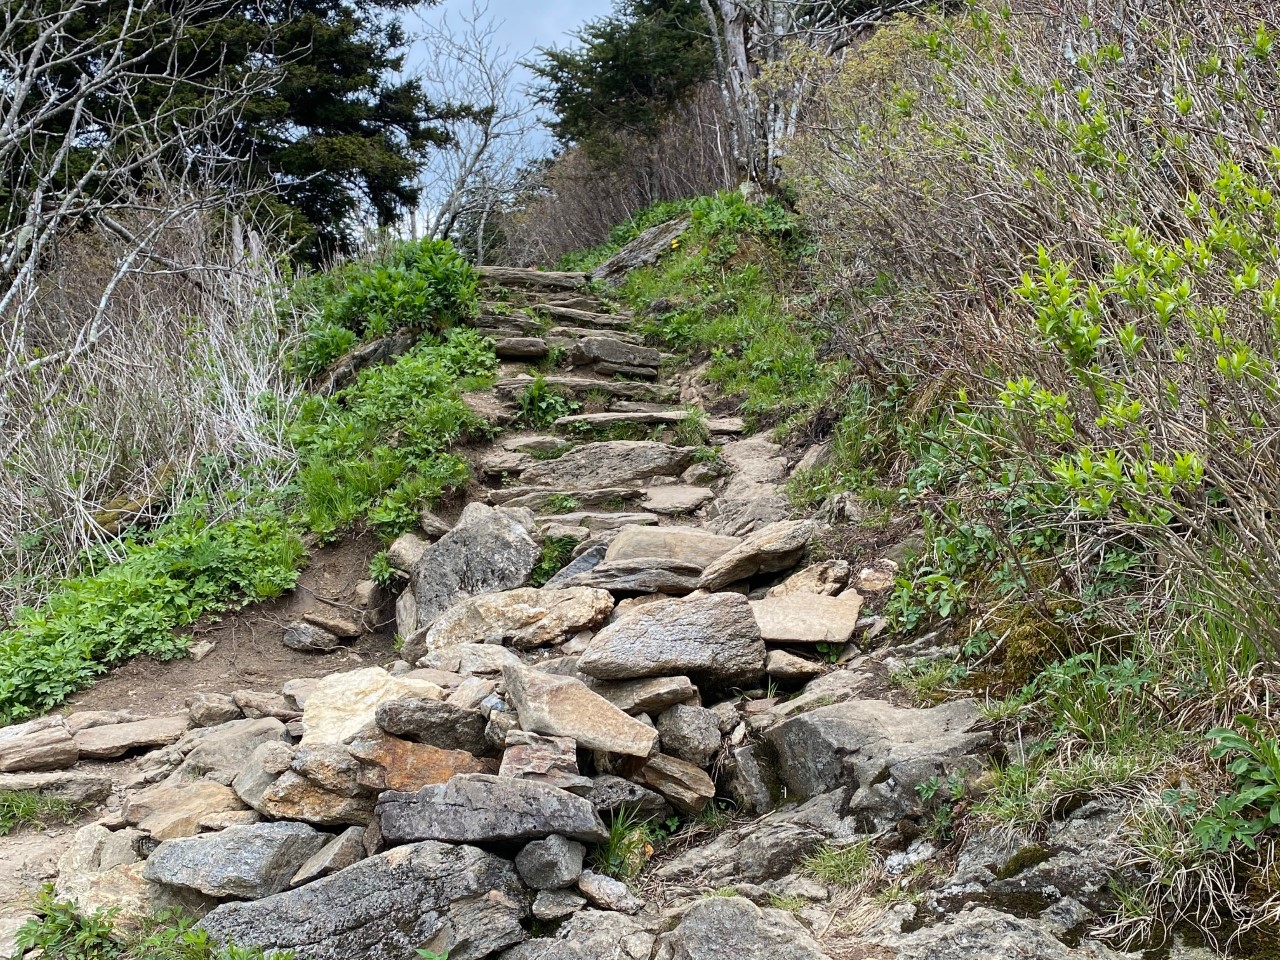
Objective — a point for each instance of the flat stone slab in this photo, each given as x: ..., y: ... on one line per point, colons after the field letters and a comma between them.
x: 582, y: 318
x: 640, y: 418
x: 611, y: 463
x: 581, y: 386
x: 547, y: 498
x: 564, y: 707
x: 595, y: 521
x: 641, y: 575
x: 807, y: 618
x: 676, y: 499
x: 521, y: 348
x: 243, y: 862
x: 691, y: 545
x: 44, y: 744
x: 525, y: 278
x: 568, y: 334
x: 450, y: 899
x: 609, y: 350
x: 477, y: 808
x: 117, y: 739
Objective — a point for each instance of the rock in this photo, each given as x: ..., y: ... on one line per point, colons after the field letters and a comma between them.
x: 242, y: 862
x: 979, y: 933
x: 117, y: 739
x: 675, y: 500
x: 610, y: 463
x: 437, y: 722
x: 520, y: 348
x: 338, y: 854
x: 565, y: 707
x: 221, y: 753
x: 84, y: 719
x: 78, y: 789
x: 646, y: 249
x: 489, y: 550
x: 551, y: 863
x: 556, y: 904
x: 211, y: 709
x: 650, y: 695
x: 713, y: 636
x: 882, y: 751
x: 770, y: 549
x: 431, y: 525
x: 549, y: 760
x: 527, y: 278
x: 593, y: 350
x: 583, y: 563
x: 476, y: 808
x: 229, y: 818
x: 824, y: 579
x: 787, y: 666
x: 807, y: 618
x: 610, y: 795
x: 534, y: 444
x: 468, y: 659
x: 590, y: 935
x: 406, y: 613
x: 642, y: 575
x: 406, y: 766
x: 687, y: 544
x: 102, y: 870
x: 609, y: 894
x: 745, y: 781
x: 349, y: 628
x: 257, y: 704
x: 719, y: 927
x: 174, y: 809
x: 309, y: 638
x: 295, y: 797
x: 342, y: 704
x: 455, y: 900
x: 687, y: 787
x: 471, y: 694
x: 44, y: 744
x: 690, y: 733
x: 523, y: 618
x: 405, y: 551
x: 765, y: 849
x: 298, y: 692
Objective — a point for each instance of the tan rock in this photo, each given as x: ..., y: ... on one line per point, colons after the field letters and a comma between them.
x: 342, y: 704
x: 402, y: 765
x: 787, y: 666
x: 44, y: 744
x: 230, y: 818
x: 825, y: 579
x: 770, y: 549
x: 174, y: 809
x: 686, y: 787
x: 549, y: 760
x: 335, y: 623
x: 565, y: 707
x: 406, y: 551
x: 117, y: 739
x: 880, y: 575
x: 84, y: 719
x: 688, y: 544
x: 294, y: 797
x: 522, y: 618
x: 652, y: 695
x: 807, y: 618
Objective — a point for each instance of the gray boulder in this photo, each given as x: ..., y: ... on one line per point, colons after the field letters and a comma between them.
x: 610, y: 795
x: 437, y: 722
x: 640, y: 575
x: 453, y: 899
x: 690, y: 733
x: 552, y: 863
x: 980, y: 933
x: 591, y: 935
x: 490, y: 549
x: 610, y: 463
x: 478, y: 808
x: 713, y: 636
x: 244, y: 862
x: 720, y: 927
x: 779, y: 546
x: 881, y: 751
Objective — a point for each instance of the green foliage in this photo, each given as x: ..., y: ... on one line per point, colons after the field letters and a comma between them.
x: 628, y: 848
x: 541, y: 404
x: 556, y: 552
x: 629, y: 67
x: 185, y: 569
x: 378, y: 449
x: 380, y: 570
x: 1255, y: 806
x: 60, y: 933
x: 29, y: 807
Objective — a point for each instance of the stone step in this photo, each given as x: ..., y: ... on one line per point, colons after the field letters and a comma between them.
x: 595, y: 520
x: 570, y: 335
x: 676, y: 499
x: 622, y: 370
x: 524, y: 278
x: 521, y: 348
x: 582, y: 318
x: 610, y: 350
x: 496, y: 324
x: 546, y: 498
x: 581, y: 386
x: 589, y: 304
x: 637, y: 418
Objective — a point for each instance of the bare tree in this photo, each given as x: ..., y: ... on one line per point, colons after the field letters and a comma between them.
x: 465, y: 182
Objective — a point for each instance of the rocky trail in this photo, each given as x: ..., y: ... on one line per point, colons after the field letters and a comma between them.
x: 702, y: 661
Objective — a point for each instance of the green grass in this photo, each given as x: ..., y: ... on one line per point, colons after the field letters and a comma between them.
x: 556, y: 552
x: 842, y: 865
x: 20, y: 808
x: 628, y: 848
x: 60, y: 933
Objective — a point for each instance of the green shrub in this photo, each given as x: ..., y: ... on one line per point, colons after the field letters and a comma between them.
x: 186, y: 569
x: 541, y: 405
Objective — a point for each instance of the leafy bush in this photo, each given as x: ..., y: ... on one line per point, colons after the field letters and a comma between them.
x: 541, y: 404
x: 378, y: 449
x: 186, y: 569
